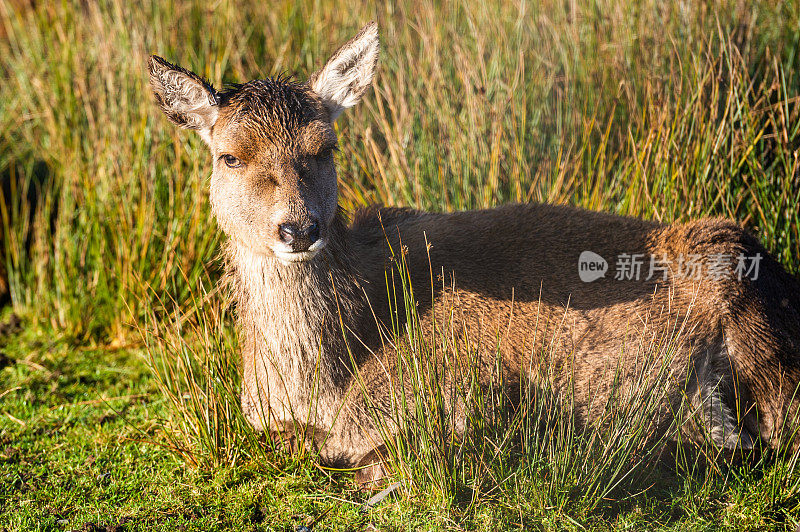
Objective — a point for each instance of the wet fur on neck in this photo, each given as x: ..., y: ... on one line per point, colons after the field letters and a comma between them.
x: 299, y: 318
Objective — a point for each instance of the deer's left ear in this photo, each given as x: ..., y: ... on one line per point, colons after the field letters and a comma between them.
x: 348, y: 73
x: 185, y: 97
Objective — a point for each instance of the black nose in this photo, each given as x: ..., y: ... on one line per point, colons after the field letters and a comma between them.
x: 299, y: 237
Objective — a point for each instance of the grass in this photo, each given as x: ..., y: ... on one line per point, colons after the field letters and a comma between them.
x: 536, y: 448
x: 665, y: 111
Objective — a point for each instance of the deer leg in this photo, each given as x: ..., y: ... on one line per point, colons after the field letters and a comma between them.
x: 372, y: 468
x: 714, y: 400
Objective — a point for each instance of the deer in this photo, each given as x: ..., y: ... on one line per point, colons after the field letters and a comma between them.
x: 309, y: 281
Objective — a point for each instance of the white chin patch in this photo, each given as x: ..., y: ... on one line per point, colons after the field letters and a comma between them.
x: 286, y: 255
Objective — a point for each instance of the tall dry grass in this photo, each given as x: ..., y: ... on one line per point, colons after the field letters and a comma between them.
x: 668, y: 111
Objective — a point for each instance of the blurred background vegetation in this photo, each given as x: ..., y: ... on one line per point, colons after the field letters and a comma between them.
x: 665, y: 110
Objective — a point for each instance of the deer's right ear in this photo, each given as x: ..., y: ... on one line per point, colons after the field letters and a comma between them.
x: 185, y: 97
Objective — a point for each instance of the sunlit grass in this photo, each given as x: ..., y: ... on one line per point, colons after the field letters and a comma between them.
x: 668, y: 111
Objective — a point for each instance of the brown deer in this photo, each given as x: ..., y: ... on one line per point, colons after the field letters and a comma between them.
x: 311, y: 291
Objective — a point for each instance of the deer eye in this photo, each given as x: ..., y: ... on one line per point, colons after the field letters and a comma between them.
x: 326, y: 153
x: 231, y: 161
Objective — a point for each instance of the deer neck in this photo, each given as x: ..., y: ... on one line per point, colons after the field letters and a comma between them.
x: 299, y: 318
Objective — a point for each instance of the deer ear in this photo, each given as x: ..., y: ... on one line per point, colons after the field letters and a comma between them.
x: 348, y: 73
x: 185, y: 97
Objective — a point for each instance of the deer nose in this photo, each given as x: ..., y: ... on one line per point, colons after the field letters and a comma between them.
x: 299, y: 237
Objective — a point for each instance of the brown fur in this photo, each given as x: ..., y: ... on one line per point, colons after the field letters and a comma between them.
x: 506, y: 276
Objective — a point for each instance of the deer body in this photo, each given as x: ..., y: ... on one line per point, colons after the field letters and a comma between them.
x: 311, y: 285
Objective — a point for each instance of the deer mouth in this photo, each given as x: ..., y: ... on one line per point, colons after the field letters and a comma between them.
x: 288, y: 255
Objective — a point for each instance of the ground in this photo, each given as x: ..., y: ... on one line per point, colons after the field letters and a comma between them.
x: 81, y: 450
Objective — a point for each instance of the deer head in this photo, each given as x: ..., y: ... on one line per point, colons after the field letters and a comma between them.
x: 273, y: 187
